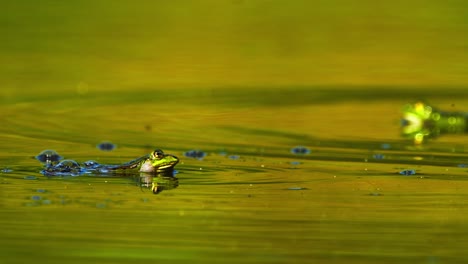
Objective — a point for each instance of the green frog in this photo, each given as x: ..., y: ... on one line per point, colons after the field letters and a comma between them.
x: 156, y: 161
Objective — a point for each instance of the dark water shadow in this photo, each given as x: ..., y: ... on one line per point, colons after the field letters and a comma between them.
x: 261, y: 96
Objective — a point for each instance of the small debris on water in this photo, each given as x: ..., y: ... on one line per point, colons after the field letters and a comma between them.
x: 106, y: 146
x: 234, y: 157
x: 6, y: 170
x: 101, y: 205
x: 408, y: 172
x: 462, y: 165
x: 386, y: 146
x: 36, y: 198
x: 30, y: 178
x: 300, y: 150
x: 195, y: 154
x: 378, y: 156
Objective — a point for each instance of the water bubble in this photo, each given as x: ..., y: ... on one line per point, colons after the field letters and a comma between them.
x: 407, y: 172
x: 30, y: 178
x: 295, y: 162
x: 234, y: 157
x: 300, y: 150
x: 64, y: 168
x: 41, y: 190
x: 103, y: 170
x: 48, y: 156
x: 196, y: 154
x: 106, y: 146
x: 462, y: 165
x: 46, y: 202
x: 91, y: 164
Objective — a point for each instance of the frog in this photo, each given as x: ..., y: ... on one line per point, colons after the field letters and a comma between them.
x: 156, y: 161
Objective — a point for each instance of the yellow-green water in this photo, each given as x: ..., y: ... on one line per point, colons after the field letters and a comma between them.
x: 337, y: 204
x: 244, y: 81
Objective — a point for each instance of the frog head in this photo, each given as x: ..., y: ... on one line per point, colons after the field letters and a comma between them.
x: 158, y: 161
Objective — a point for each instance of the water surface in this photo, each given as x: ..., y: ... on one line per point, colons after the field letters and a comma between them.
x: 250, y: 198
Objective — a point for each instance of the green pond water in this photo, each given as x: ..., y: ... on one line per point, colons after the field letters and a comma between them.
x: 250, y: 199
x: 245, y: 82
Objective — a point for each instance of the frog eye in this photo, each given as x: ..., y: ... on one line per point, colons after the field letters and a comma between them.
x: 158, y: 154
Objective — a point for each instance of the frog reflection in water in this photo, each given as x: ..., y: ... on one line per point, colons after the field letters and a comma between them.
x: 156, y: 169
x: 162, y: 180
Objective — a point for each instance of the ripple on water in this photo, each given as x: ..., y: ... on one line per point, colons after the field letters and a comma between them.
x: 296, y: 188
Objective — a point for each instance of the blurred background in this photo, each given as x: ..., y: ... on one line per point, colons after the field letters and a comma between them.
x: 87, y: 45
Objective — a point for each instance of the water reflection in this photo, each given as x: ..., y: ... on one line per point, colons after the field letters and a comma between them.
x: 156, y: 170
x: 161, y: 181
x: 421, y: 122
